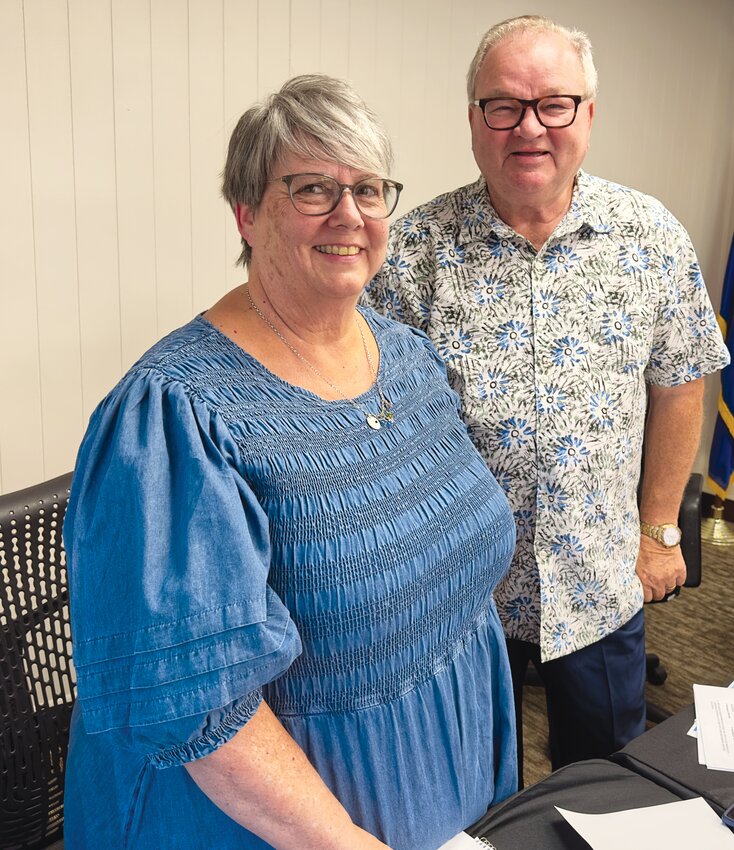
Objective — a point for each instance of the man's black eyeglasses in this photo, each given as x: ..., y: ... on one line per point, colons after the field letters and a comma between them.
x: 506, y: 113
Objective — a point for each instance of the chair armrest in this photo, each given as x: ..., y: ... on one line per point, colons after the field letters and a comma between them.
x: 689, y: 520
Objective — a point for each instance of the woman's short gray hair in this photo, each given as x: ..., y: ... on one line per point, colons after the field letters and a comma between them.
x: 312, y: 116
x: 512, y: 26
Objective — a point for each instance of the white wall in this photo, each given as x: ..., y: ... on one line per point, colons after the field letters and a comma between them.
x: 114, y: 116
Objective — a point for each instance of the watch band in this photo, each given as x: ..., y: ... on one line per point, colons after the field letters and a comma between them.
x: 668, y: 534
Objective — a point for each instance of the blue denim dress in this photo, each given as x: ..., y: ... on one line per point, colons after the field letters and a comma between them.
x: 233, y: 538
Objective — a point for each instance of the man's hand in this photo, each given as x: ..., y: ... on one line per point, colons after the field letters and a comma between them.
x: 659, y: 569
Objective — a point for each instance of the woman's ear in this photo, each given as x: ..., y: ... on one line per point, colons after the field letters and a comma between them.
x: 245, y: 216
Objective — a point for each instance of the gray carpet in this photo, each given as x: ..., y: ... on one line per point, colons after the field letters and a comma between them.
x: 694, y: 637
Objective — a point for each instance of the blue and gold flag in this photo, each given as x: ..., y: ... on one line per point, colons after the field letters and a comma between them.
x: 721, y: 459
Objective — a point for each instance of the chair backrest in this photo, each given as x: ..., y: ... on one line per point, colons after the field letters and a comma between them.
x: 37, y: 680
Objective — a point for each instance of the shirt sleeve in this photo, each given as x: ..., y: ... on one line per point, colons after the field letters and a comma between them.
x: 687, y: 341
x: 174, y: 625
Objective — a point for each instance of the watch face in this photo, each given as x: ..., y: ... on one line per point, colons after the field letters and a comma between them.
x: 671, y: 536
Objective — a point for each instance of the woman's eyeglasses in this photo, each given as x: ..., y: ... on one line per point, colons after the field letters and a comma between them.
x: 319, y: 194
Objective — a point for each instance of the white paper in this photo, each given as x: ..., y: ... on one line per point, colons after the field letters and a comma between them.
x: 462, y: 841
x: 683, y: 825
x: 715, y: 718
x: 693, y: 731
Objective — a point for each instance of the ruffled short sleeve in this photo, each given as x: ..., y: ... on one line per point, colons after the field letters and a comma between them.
x: 174, y: 625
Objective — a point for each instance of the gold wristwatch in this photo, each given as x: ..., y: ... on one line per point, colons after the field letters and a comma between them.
x: 667, y: 534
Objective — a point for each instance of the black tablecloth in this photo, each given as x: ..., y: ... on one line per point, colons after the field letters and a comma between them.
x: 660, y: 766
x: 529, y: 821
x: 668, y: 756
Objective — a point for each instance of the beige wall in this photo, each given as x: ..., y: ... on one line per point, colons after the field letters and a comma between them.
x: 114, y: 116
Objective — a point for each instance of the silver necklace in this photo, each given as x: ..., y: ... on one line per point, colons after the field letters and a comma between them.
x: 372, y: 419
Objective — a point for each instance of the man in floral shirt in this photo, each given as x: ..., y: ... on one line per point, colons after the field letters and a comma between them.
x: 563, y: 304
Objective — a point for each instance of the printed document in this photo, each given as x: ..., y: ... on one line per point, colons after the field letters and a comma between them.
x: 715, y: 720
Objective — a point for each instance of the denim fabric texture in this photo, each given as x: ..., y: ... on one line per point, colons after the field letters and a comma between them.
x: 233, y: 538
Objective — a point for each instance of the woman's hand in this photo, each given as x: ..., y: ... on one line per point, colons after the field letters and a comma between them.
x: 263, y: 780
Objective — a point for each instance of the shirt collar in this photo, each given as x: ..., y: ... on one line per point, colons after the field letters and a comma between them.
x: 481, y: 217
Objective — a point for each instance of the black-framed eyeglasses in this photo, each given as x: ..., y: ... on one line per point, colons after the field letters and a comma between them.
x: 319, y: 194
x: 506, y: 113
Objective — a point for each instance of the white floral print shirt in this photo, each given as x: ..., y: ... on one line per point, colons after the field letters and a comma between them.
x: 551, y: 352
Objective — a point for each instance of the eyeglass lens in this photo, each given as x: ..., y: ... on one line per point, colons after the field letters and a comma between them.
x: 317, y: 194
x: 503, y: 114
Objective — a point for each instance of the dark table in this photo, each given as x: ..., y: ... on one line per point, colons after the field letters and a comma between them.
x: 661, y: 766
x: 669, y: 756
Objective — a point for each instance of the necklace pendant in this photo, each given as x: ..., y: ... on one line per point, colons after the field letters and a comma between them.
x: 373, y: 422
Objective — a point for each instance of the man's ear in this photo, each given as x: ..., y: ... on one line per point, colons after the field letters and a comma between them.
x: 470, y: 115
x: 245, y: 216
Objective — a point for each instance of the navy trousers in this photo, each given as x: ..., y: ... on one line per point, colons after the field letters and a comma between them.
x: 595, y: 696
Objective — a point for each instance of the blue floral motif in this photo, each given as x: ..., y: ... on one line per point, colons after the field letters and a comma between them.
x: 567, y: 351
x: 588, y: 594
x: 552, y: 497
x: 551, y: 399
x: 500, y: 248
x: 523, y: 522
x: 492, y: 385
x: 413, y: 228
x: 668, y: 268
x: 695, y: 276
x: 512, y: 334
x: 664, y: 220
x: 453, y: 344
x: 616, y: 325
x: 702, y: 323
x: 602, y: 408
x: 519, y: 607
x: 563, y: 636
x: 474, y: 214
x: 514, y: 433
x: 505, y: 480
x: 489, y: 290
x: 397, y: 262
x: 689, y: 372
x: 656, y: 360
x: 547, y: 304
x: 450, y: 255
x: 623, y: 450
x: 559, y: 258
x: 390, y: 304
x: 611, y: 622
x: 570, y: 451
x: 634, y: 258
x: 567, y: 546
x: 595, y: 506
x: 672, y: 307
x: 549, y: 585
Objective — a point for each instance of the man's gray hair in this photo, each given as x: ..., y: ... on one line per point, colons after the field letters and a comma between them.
x: 312, y: 116
x: 525, y: 23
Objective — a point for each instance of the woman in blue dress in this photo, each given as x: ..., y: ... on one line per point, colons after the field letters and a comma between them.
x: 282, y: 545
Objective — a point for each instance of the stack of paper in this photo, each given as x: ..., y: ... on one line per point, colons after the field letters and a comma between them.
x: 715, y: 722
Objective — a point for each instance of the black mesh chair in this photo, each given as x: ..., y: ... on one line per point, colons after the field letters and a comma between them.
x: 37, y: 681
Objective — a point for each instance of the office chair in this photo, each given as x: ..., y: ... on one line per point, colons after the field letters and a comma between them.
x: 37, y: 681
